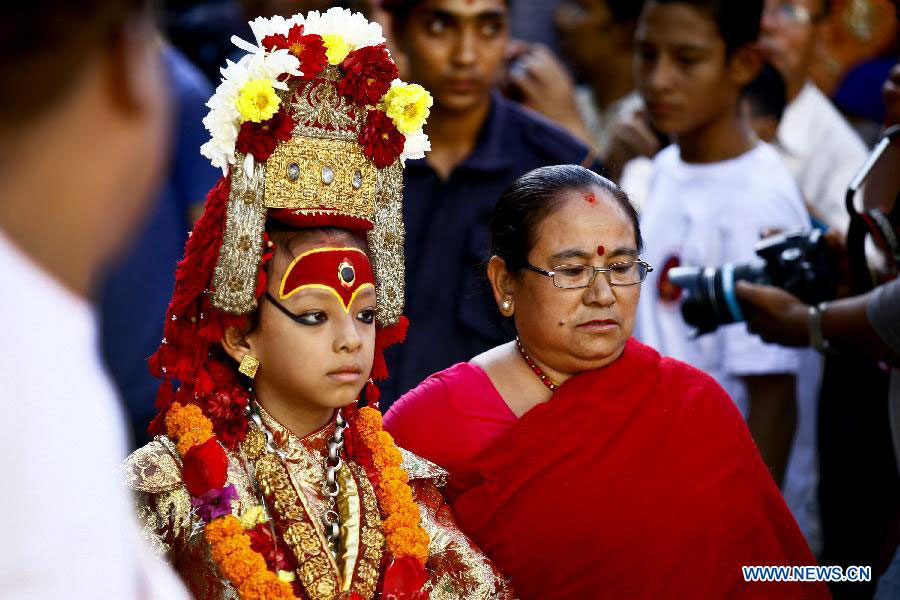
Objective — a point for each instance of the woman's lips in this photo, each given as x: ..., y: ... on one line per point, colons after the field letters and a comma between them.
x: 599, y: 326
x: 345, y: 375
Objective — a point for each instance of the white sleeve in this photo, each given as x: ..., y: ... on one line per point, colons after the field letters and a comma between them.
x: 744, y: 353
x: 69, y: 528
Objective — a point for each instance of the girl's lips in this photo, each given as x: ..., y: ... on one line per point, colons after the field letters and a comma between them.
x: 345, y: 375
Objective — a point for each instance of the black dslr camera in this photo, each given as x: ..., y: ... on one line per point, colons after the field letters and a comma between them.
x: 798, y: 262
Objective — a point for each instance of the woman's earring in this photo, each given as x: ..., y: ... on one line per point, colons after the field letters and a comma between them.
x: 249, y: 365
x: 506, y: 305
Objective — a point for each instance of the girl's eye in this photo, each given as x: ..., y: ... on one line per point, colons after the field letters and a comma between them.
x: 367, y: 315
x: 312, y: 318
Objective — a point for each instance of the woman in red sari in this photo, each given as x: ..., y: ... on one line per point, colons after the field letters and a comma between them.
x: 583, y: 463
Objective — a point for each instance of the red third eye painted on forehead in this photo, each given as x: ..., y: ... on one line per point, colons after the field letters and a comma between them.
x: 601, y: 250
x: 342, y: 271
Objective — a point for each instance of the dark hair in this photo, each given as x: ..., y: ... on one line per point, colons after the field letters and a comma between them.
x: 625, y: 11
x: 45, y: 46
x: 738, y: 21
x: 767, y: 93
x: 285, y: 235
x: 532, y: 197
x: 401, y: 9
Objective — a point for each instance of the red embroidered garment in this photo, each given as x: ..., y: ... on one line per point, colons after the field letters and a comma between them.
x: 638, y: 480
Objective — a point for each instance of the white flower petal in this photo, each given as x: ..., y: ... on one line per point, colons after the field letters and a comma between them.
x: 245, y: 45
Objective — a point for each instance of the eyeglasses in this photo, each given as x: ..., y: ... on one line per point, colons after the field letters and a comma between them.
x: 570, y: 277
x: 788, y: 13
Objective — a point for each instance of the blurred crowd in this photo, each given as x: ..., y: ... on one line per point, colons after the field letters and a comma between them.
x: 745, y: 130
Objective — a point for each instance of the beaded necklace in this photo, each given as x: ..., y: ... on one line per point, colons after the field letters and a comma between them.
x: 551, y: 385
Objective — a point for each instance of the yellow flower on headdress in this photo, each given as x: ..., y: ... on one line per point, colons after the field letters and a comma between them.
x: 407, y: 104
x: 336, y: 48
x: 257, y: 101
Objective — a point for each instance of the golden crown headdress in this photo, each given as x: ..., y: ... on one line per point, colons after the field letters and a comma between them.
x: 313, y: 127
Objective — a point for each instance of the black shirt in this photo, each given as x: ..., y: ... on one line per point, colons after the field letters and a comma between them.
x: 451, y: 310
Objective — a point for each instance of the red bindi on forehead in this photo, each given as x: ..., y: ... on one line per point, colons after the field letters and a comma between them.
x: 601, y: 250
x: 590, y: 198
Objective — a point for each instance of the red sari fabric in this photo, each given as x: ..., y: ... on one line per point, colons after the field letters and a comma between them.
x: 638, y: 480
x: 451, y: 417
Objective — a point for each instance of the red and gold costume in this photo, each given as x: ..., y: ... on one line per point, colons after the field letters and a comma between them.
x: 311, y: 129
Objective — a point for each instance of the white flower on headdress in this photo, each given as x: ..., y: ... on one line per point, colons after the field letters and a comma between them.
x: 356, y: 30
x: 277, y: 25
x: 224, y: 118
x: 416, y: 145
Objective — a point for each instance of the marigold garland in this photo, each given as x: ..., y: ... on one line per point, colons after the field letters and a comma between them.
x: 402, y: 525
x: 229, y: 545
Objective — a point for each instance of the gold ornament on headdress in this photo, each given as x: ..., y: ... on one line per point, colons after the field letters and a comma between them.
x: 321, y: 170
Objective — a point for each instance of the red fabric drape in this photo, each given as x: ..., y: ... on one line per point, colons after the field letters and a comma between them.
x: 638, y: 480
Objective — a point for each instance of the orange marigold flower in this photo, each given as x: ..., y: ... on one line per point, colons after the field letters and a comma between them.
x: 369, y: 417
x: 393, y: 522
x: 193, y: 437
x: 235, y: 543
x: 402, y: 519
x: 384, y: 439
x: 394, y: 474
x: 405, y: 542
x: 239, y: 566
x: 180, y: 418
x: 221, y: 529
x: 265, y: 585
x: 398, y: 491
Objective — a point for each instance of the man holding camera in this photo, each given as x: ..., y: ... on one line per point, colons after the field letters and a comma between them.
x: 867, y: 323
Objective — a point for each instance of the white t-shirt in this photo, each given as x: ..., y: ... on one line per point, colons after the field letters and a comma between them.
x: 709, y: 215
x: 822, y: 152
x: 69, y: 530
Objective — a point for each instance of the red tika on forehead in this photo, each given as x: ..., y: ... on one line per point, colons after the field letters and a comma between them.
x: 601, y: 250
x: 342, y: 271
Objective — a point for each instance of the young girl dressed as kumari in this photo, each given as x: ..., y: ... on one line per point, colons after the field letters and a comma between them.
x: 265, y: 479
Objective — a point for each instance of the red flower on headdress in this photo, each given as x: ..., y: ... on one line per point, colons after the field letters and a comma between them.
x: 260, y: 139
x: 380, y: 139
x: 368, y: 73
x: 205, y: 467
x: 309, y: 49
x: 226, y: 411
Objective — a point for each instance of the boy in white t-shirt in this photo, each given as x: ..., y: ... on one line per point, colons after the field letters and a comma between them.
x: 712, y: 193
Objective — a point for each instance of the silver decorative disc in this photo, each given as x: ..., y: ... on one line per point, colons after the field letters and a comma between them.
x: 357, y: 180
x: 293, y: 171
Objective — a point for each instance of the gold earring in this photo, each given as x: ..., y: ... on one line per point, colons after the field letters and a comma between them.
x: 249, y: 365
x: 506, y: 305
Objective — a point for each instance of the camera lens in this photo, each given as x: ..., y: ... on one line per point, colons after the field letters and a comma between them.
x: 711, y: 300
